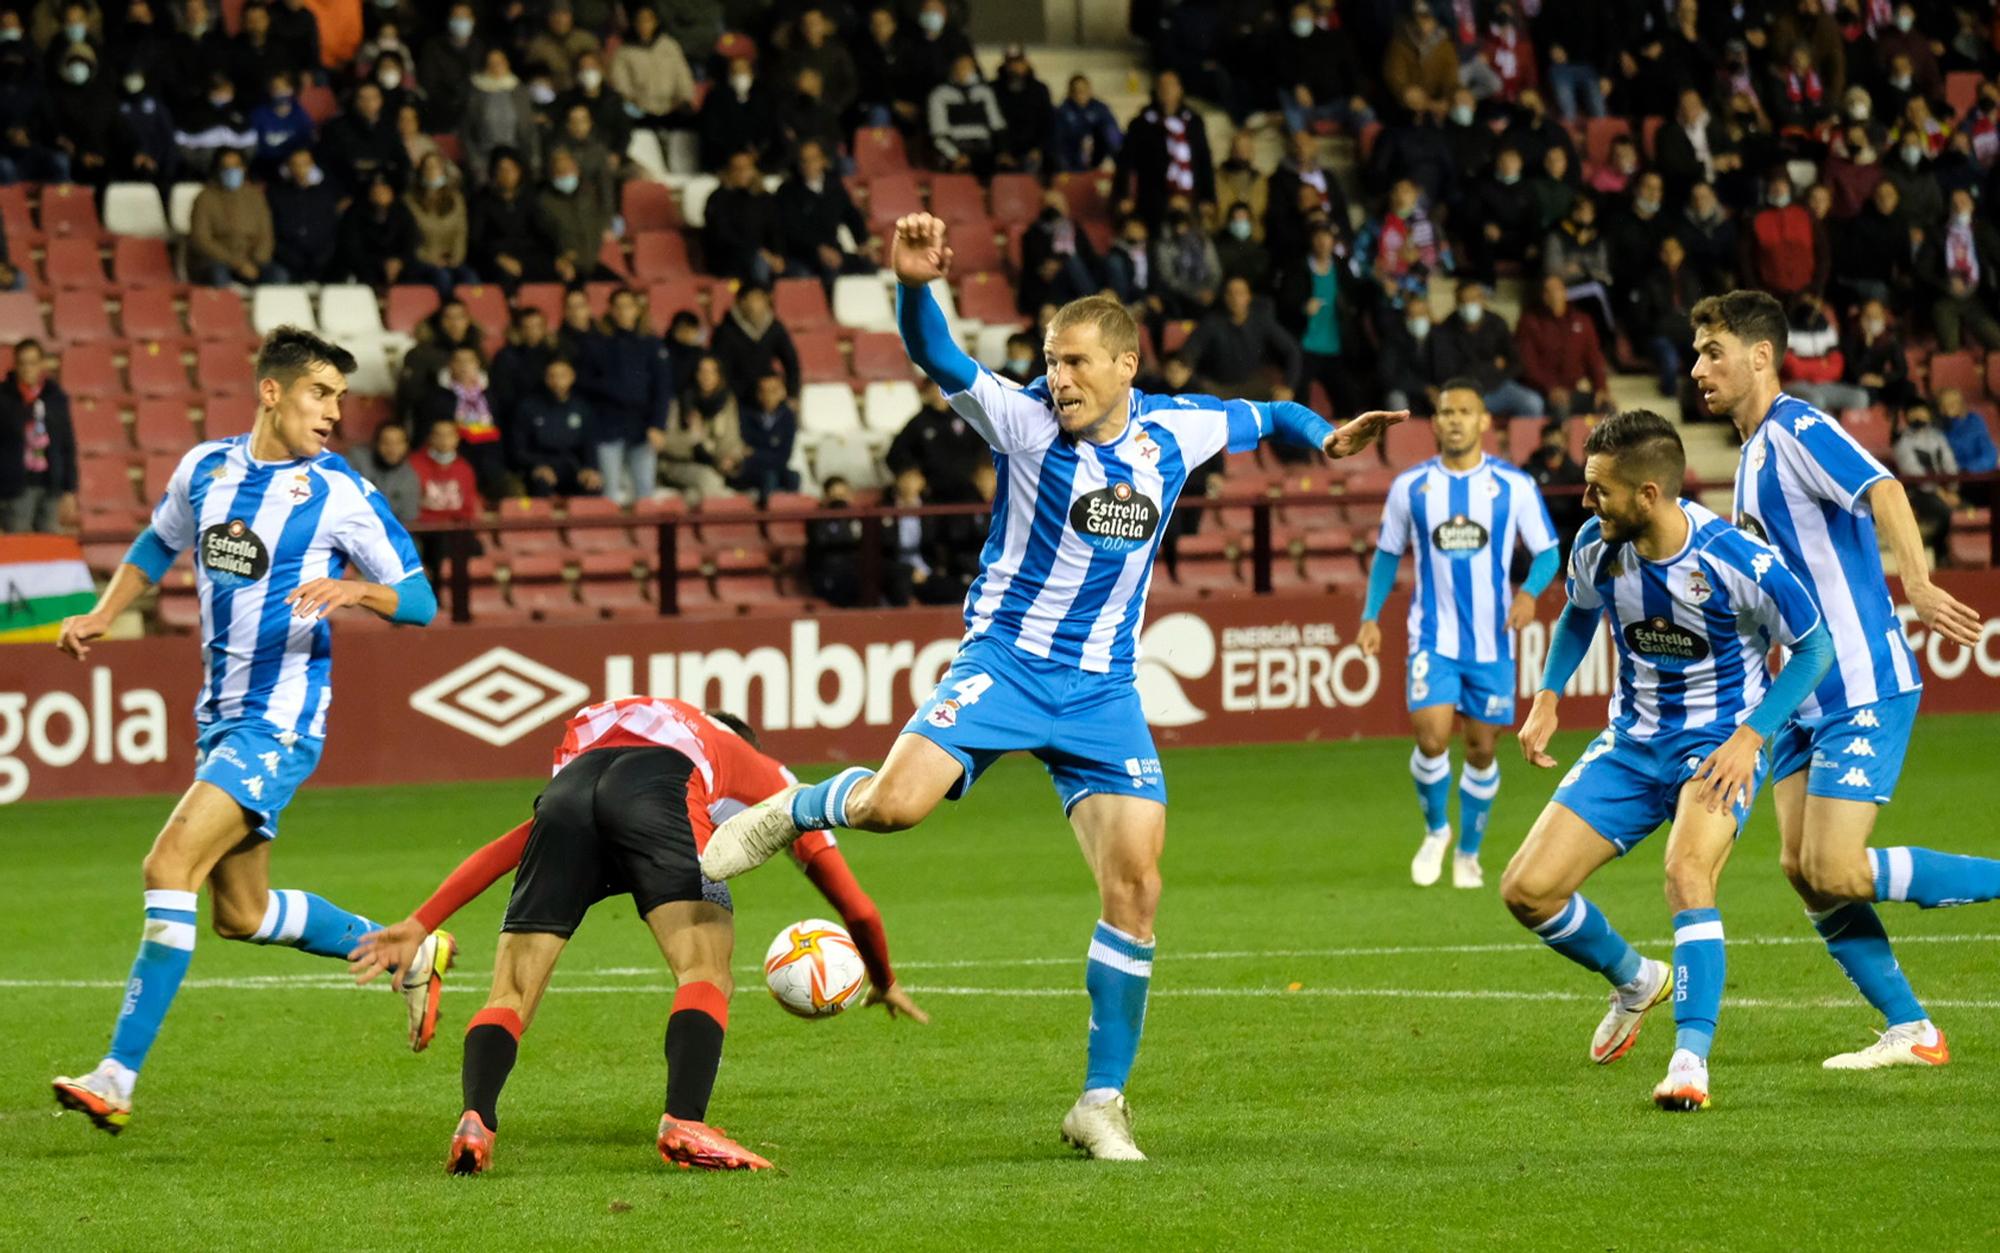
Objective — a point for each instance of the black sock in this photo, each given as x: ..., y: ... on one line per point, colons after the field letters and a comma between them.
x: 490, y: 1049
x: 694, y: 1051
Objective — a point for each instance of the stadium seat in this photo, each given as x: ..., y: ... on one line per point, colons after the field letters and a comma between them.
x: 318, y: 102
x: 1406, y: 445
x: 989, y: 343
x: 180, y: 208
x: 659, y: 255
x: 361, y: 416
x: 879, y: 357
x: 820, y: 359
x: 163, y: 426
x: 548, y: 297
x: 225, y: 370
x: 89, y: 369
x: 852, y: 457
x: 1961, y: 91
x: 648, y: 206
x: 946, y: 301
x: 602, y: 549
x: 372, y: 376
x: 861, y: 301
x: 1176, y: 334
x: 107, y: 480
x: 728, y: 522
x: 135, y: 210
x: 887, y: 405
x: 99, y: 429
x: 1992, y: 374
x: 891, y: 196
x: 18, y: 216
x: 989, y: 299
x: 879, y: 150
x: 957, y: 199
x: 411, y: 303
x: 1648, y: 130
x: 74, y: 264
x: 1599, y: 133
x: 1088, y: 195
x: 611, y: 257
x: 1870, y: 427
x: 79, y: 317
x: 694, y: 199
x: 281, y: 304
x: 20, y: 317
x: 69, y: 210
x: 157, y: 370
x: 1017, y: 199
x: 518, y: 509
x: 141, y: 262
x: 975, y: 248
x: 217, y: 313
x: 159, y: 468
x: 487, y: 306
x: 348, y: 310
x: 664, y: 300
x: 800, y: 304
x: 1957, y: 369
x: 827, y: 409
x: 644, y: 151
x: 620, y: 599
x: 790, y: 535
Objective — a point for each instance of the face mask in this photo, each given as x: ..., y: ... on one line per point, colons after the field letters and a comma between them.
x: 10, y: 35
x: 1901, y: 82
x: 565, y: 183
x: 1962, y: 219
x: 76, y: 33
x: 1461, y: 114
x: 221, y: 102
x: 134, y: 84
x: 390, y: 79
x: 281, y: 101
x: 591, y: 79
x: 740, y: 84
x: 1472, y: 313
x: 232, y: 178
x: 1507, y: 180
x: 461, y: 28
x: 931, y: 20
x: 1904, y: 21
x: 1913, y: 156
x: 1303, y: 28
x: 1874, y: 327
x: 1240, y: 229
x: 1779, y: 199
x: 1135, y: 245
x: 1647, y: 208
x: 1858, y: 112
x: 542, y: 93
x: 444, y: 458
x: 313, y: 177
x: 76, y: 72
x: 196, y: 31
x: 1020, y: 365
x: 1420, y: 327
x: 436, y: 181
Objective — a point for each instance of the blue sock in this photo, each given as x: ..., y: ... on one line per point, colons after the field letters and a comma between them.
x: 1476, y: 790
x: 822, y: 806
x: 1582, y: 933
x: 1855, y: 939
x: 1699, y: 963
x: 1433, y: 778
x: 165, y: 949
x: 1119, y: 972
x: 1932, y: 879
x: 310, y: 923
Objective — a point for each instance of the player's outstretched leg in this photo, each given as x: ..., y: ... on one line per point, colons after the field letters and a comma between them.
x: 522, y: 964
x: 1122, y: 837
x: 697, y: 938
x: 1432, y: 775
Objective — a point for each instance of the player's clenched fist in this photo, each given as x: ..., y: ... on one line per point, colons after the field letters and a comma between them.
x: 78, y: 630
x: 918, y: 254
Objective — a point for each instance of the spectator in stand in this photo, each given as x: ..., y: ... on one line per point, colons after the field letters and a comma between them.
x: 1660, y: 315
x: 361, y: 144
x: 1086, y: 133
x: 696, y: 24
x: 890, y: 76
x: 450, y: 494
x: 1414, y: 147
x: 378, y: 237
x: 295, y: 37
x: 576, y: 219
x: 749, y: 339
x: 703, y: 445
x: 1695, y: 147
x: 1534, y: 132
x: 1814, y: 367
x: 511, y: 240
x: 630, y: 386
x: 83, y: 111
x: 1971, y: 443
x: 1576, y: 40
x: 1875, y: 358
x: 1023, y: 362
x: 305, y: 219
x: 687, y: 342
x: 812, y: 205
x: 1403, y: 249
x: 1801, y: 99
x: 280, y: 125
x: 391, y: 75
x: 816, y: 46
x: 38, y: 458
x: 1472, y: 145
x: 1239, y: 181
x: 1576, y: 253
x: 833, y: 548
x: 920, y: 567
x: 938, y: 45
x: 459, y: 393
x: 1026, y: 111
x: 1853, y: 170
x: 769, y: 429
x: 27, y: 139
x: 1550, y: 465
x: 437, y: 337
x: 446, y: 66
x: 1241, y: 348
x: 651, y: 72
x: 1175, y: 378
x: 1922, y: 451
x: 1475, y: 343
x: 386, y: 464
x: 254, y: 55
x: 144, y: 149
x: 1709, y: 234
x: 610, y: 123
x: 600, y: 168
x: 559, y: 43
x: 554, y: 437
x: 1411, y: 359
x: 1503, y: 219
x: 741, y: 237
x: 1058, y: 262
x: 1785, y: 251
x: 229, y: 236
x: 805, y: 117
x: 417, y: 143
x: 740, y: 115
x: 1317, y: 75
x: 1128, y: 268
x: 1553, y: 190
x: 1917, y: 187
x: 940, y: 445
x: 1311, y: 303
x: 1509, y: 53
x: 1614, y: 179
x: 499, y: 116
x: 1560, y: 354
x: 1421, y: 57
x: 1239, y: 253
x: 1186, y: 269
x: 576, y: 336
x: 193, y: 56
x: 210, y: 125
x: 437, y: 209
x: 1632, y: 238
x: 1165, y: 154
x: 967, y: 129
x: 518, y: 368
x: 1959, y: 265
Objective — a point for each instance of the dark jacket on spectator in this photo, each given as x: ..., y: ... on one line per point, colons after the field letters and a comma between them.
x: 809, y: 220
x: 945, y: 447
x: 355, y: 151
x: 629, y: 384
x: 1662, y: 303
x: 514, y: 375
x: 769, y: 438
x: 730, y: 124
x: 746, y: 353
x: 1410, y: 365
x: 1084, y: 137
x: 510, y: 227
x: 559, y: 434
x: 1231, y: 354
x: 1143, y: 163
x: 399, y: 483
x: 369, y: 238
x: 1025, y: 104
x: 15, y: 416
x: 445, y: 69
x: 738, y: 223
x: 305, y: 225
x: 1472, y: 350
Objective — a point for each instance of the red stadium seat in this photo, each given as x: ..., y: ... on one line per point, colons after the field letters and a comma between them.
x: 648, y: 206
x: 1088, y: 195
x: 159, y: 468
x: 660, y: 255
x: 801, y: 304
x: 218, y: 313
x: 70, y: 210
x: 1017, y: 199
x: 957, y: 198
x: 361, y: 416
x: 1993, y: 374
x: 98, y: 427
x: 74, y: 265
x: 141, y: 262
x: 988, y: 298
x: 975, y: 248
x: 548, y: 297
x: 488, y: 307
x: 148, y: 313
x: 1961, y: 91
x: 225, y: 370
x: 621, y: 599
x: 1957, y: 369
x: 726, y: 522
x: 879, y: 150
x: 20, y: 317
x: 1870, y: 427
x: 157, y: 370
x: 1404, y: 446
x: 891, y: 196
x: 90, y: 370
x: 788, y: 534
x: 19, y: 219
x: 1599, y: 133
x: 411, y: 303
x: 603, y: 550
x: 224, y: 416
x: 721, y: 298
x: 318, y: 102
x: 880, y: 355
x: 107, y: 481
x: 599, y: 295
x: 664, y: 300
x: 79, y: 317
x: 1648, y: 131
x: 517, y: 509
x: 163, y: 426
x: 611, y: 256
x: 1177, y: 334
x: 820, y: 359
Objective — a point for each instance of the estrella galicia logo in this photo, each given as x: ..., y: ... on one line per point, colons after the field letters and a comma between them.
x: 1659, y: 640
x: 233, y: 555
x: 1458, y: 536
x: 1748, y: 524
x: 1115, y: 519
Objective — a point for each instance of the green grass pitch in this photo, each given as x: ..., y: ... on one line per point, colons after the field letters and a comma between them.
x: 1426, y: 1085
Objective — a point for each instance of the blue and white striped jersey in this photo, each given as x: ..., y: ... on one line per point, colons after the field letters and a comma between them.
x: 1076, y: 525
x: 1802, y: 487
x: 1462, y: 526
x: 1692, y: 632
x: 259, y: 529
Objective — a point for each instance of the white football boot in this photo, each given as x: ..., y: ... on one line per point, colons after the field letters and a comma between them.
x: 422, y: 986
x: 1102, y: 1130
x: 98, y: 1096
x: 1619, y: 1030
x: 1428, y: 864
x: 1909, y: 1044
x: 1685, y: 1089
x: 1466, y: 871
x: 752, y: 837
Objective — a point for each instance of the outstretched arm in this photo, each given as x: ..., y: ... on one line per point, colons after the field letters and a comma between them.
x: 1293, y: 423
x: 394, y: 946
x: 829, y: 872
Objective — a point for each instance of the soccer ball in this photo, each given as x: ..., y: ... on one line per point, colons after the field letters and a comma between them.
x: 813, y: 968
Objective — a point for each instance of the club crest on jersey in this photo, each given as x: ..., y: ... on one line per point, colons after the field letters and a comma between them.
x: 1659, y: 639
x: 1144, y: 446
x: 233, y: 555
x: 1757, y: 455
x: 301, y: 489
x: 1458, y: 536
x: 944, y: 715
x: 1114, y: 519
x: 1698, y: 590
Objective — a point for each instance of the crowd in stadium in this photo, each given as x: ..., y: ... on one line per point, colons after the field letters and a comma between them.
x: 1618, y: 162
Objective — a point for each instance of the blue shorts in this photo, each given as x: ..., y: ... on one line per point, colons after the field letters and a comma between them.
x: 1481, y: 690
x: 1856, y: 755
x: 1088, y: 729
x: 259, y: 766
x: 1626, y: 788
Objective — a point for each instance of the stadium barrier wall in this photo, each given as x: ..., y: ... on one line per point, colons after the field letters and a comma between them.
x: 413, y: 706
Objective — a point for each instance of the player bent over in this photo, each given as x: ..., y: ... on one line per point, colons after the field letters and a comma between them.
x: 1459, y: 514
x: 639, y: 785
x: 273, y: 519
x: 1089, y: 471
x: 1694, y: 607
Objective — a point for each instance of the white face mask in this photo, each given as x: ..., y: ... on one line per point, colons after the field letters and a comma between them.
x: 542, y: 93
x: 1462, y: 114
x: 1901, y: 82
x: 1857, y: 111
x: 1873, y: 326
x: 1779, y: 199
x: 390, y: 79
x: 740, y: 84
x: 1508, y: 180
x: 1420, y: 327
x: 1239, y: 228
x: 1302, y: 27
x: 1962, y: 219
x: 1913, y: 156
x: 135, y: 83
x: 77, y: 73
x: 1472, y: 312
x: 591, y: 79
x: 1647, y: 208
x: 1904, y: 21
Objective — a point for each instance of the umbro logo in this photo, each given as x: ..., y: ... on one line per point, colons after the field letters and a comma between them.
x: 1866, y: 718
x: 1854, y: 778
x: 1860, y: 748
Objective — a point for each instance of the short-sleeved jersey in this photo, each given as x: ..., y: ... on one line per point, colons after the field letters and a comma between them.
x: 260, y: 529
x: 1802, y: 487
x: 1461, y: 527
x: 1069, y: 554
x: 729, y: 775
x: 1692, y: 632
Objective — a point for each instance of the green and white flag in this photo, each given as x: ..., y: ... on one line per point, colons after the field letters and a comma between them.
x: 43, y: 579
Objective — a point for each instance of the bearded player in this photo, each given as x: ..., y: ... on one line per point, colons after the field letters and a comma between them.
x: 1089, y: 469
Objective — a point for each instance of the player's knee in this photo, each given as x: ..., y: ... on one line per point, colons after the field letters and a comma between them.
x: 1479, y: 756
x: 1433, y: 744
x: 232, y: 921
x: 1529, y: 897
x: 890, y: 806
x: 1690, y: 884
x: 1842, y: 876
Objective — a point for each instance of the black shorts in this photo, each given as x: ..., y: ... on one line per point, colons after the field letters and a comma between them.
x: 614, y: 820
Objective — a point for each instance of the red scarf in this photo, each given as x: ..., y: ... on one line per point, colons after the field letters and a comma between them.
x: 1808, y: 88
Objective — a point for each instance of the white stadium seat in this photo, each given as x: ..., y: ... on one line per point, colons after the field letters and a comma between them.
x: 694, y: 199
x: 281, y: 304
x: 827, y: 409
x: 180, y: 207
x: 135, y: 209
x: 644, y: 152
x: 862, y: 302
x: 372, y: 375
x: 886, y: 406
x: 851, y: 457
x: 349, y: 309
x: 990, y: 345
x: 683, y: 152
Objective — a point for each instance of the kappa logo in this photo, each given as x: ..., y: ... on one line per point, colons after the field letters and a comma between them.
x: 1866, y: 718
x: 1860, y: 748
x: 499, y: 696
x: 1806, y: 423
x: 1854, y: 778
x: 254, y: 784
x: 1760, y: 565
x: 270, y: 761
